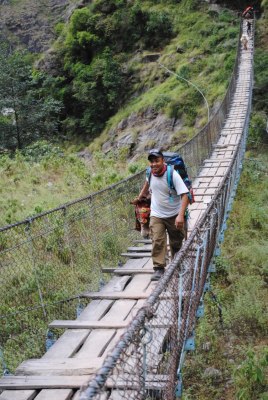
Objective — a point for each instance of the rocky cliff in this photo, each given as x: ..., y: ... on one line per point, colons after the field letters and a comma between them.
x: 30, y: 23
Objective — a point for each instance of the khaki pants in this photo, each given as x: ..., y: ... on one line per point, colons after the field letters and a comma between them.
x: 159, y: 227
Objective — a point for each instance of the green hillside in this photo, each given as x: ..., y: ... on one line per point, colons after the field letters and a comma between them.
x: 103, y: 71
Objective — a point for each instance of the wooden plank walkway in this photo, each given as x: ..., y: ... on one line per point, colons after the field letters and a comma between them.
x: 81, y: 349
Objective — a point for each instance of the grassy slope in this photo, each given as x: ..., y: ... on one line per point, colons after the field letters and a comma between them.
x: 239, y: 349
x: 207, y: 63
x: 29, y: 186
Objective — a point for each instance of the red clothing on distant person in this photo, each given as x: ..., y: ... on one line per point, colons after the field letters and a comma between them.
x: 248, y: 12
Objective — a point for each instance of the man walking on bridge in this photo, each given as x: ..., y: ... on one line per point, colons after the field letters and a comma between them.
x: 167, y: 211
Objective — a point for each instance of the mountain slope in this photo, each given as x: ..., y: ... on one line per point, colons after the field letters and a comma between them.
x: 30, y: 24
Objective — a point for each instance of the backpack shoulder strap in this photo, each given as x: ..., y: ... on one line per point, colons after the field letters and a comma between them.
x: 170, y: 169
x: 148, y: 175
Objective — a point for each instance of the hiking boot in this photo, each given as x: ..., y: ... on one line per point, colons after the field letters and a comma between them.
x: 157, y: 274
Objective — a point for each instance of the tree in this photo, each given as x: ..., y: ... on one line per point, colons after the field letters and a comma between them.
x: 99, y: 88
x: 28, y: 112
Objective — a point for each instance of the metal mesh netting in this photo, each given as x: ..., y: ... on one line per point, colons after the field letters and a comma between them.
x: 55, y: 256
x: 146, y: 362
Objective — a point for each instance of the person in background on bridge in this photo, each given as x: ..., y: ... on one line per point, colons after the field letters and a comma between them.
x: 167, y: 212
x: 244, y: 41
x: 248, y: 28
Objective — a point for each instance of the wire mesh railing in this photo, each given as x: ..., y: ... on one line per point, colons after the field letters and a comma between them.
x: 146, y: 363
x: 49, y: 259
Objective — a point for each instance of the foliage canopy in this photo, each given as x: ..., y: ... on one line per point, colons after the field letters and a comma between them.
x: 28, y: 111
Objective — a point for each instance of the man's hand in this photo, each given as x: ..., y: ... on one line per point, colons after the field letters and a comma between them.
x: 179, y: 222
x: 135, y: 201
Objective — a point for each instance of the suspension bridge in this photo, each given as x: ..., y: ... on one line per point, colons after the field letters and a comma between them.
x: 125, y: 337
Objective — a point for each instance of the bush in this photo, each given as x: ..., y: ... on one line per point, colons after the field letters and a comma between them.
x: 158, y: 27
x: 226, y: 16
x: 99, y: 89
x: 257, y: 129
x: 161, y: 101
x: 40, y: 150
x: 247, y: 312
x: 184, y: 72
x: 251, y: 375
x: 174, y: 109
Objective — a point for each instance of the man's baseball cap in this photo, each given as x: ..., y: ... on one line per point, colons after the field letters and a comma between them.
x: 155, y: 153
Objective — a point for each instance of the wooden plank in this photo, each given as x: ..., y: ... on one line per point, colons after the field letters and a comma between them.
x: 120, y: 271
x: 203, y: 187
x: 119, y: 332
x: 212, y: 176
x: 210, y: 164
x: 42, y: 382
x: 152, y: 381
x: 140, y: 249
x: 218, y: 164
x: 154, y: 348
x: 135, y: 255
x: 134, y: 263
x: 195, y: 214
x: 143, y: 241
x: 202, y: 179
x: 149, y: 264
x: 130, y: 264
x: 222, y: 171
x: 127, y: 393
x: 75, y: 324
x: 137, y: 263
x: 120, y: 325
x: 223, y: 146
x: 136, y: 308
x: 138, y: 284
x: 18, y: 395
x: 95, y: 310
x: 198, y: 199
x: 65, y: 367
x: 199, y: 191
x: 210, y: 191
x: 116, y: 296
x: 107, y: 270
x: 55, y: 394
x: 67, y: 344
x: 99, y: 340
x: 96, y: 343
x: 116, y: 284
x: 102, y: 396
x: 217, y: 160
x: 119, y: 311
x: 123, y: 395
x: 201, y: 206
x: 216, y: 180
x: 207, y: 199
x: 113, y: 342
